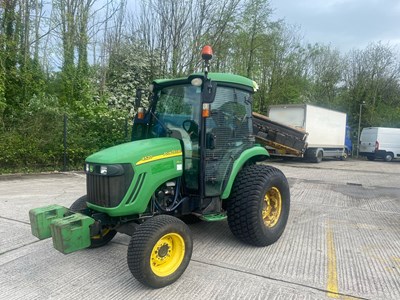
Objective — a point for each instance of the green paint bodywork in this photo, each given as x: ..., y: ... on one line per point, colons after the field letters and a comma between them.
x: 132, y: 152
x: 239, y: 163
x: 148, y: 176
x: 218, y: 77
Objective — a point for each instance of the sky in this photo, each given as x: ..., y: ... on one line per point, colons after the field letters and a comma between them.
x: 343, y: 24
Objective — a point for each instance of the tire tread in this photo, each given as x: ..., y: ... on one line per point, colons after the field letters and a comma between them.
x: 243, y: 205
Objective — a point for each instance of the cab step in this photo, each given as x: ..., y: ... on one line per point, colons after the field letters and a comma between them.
x: 213, y: 217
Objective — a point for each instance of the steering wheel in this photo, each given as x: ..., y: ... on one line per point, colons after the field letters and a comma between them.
x: 191, y: 128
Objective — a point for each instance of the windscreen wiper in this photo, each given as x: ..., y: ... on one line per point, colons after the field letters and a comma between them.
x: 164, y: 126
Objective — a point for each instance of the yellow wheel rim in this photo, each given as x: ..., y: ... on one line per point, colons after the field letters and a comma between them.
x: 272, y: 207
x: 167, y: 254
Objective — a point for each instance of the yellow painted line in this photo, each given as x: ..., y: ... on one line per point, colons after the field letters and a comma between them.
x: 397, y: 259
x: 148, y: 159
x: 332, y: 282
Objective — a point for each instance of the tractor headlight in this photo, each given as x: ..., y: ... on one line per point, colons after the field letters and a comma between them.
x: 197, y: 81
x: 103, y: 170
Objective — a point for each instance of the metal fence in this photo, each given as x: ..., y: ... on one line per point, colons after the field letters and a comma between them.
x: 59, y: 141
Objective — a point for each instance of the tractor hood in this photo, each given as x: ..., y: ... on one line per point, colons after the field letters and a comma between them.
x: 138, y: 152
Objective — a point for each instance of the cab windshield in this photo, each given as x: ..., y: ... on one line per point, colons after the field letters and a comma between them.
x: 177, y: 115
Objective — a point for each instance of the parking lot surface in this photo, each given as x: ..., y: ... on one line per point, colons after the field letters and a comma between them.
x: 342, y: 241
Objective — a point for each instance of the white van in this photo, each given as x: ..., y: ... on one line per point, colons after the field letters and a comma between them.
x: 380, y: 142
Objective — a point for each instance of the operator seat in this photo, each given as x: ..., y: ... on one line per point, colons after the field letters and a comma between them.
x: 222, y: 134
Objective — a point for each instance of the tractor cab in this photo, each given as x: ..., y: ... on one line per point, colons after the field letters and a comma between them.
x: 210, y: 114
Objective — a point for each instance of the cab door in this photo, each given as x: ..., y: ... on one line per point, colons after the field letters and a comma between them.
x: 177, y: 115
x: 230, y: 128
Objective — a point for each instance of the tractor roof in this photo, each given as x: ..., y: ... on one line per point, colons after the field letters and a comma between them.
x: 230, y: 79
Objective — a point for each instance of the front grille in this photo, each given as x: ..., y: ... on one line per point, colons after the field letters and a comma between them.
x: 108, y: 190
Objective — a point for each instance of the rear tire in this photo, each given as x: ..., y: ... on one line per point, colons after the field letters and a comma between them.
x: 388, y: 157
x: 258, y: 207
x: 106, y: 235
x: 371, y: 157
x: 318, y: 157
x: 159, y: 251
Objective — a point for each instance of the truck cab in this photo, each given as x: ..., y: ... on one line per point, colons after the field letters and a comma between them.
x: 348, y: 144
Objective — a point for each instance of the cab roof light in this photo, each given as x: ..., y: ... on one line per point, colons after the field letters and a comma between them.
x: 207, y: 52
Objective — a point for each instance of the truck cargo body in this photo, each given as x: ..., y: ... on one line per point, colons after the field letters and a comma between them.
x: 380, y: 142
x: 278, y: 137
x: 326, y: 129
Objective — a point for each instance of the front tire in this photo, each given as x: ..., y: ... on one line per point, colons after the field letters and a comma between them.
x: 160, y: 251
x: 258, y: 207
x: 99, y: 240
x: 345, y: 155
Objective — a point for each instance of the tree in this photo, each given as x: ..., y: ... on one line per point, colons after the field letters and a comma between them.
x: 283, y: 65
x: 222, y: 30
x: 372, y: 77
x: 253, y: 27
x: 73, y: 17
x: 326, y: 75
x: 131, y: 67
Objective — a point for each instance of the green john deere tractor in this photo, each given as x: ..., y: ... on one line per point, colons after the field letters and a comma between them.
x: 192, y: 158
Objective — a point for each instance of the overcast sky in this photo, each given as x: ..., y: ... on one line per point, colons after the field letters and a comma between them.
x: 344, y: 24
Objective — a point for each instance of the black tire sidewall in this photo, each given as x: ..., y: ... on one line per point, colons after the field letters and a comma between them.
x: 79, y: 204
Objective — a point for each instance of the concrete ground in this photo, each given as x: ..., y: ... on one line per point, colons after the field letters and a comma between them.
x: 342, y: 241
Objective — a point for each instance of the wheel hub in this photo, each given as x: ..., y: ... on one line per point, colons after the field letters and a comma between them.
x: 167, y: 254
x: 272, y: 207
x: 163, y: 251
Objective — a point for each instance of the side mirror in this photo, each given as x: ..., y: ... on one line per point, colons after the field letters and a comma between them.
x: 209, y: 91
x: 138, y: 98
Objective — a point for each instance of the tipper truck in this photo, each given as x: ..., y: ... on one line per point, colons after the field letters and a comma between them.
x: 303, y: 130
x: 193, y: 157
